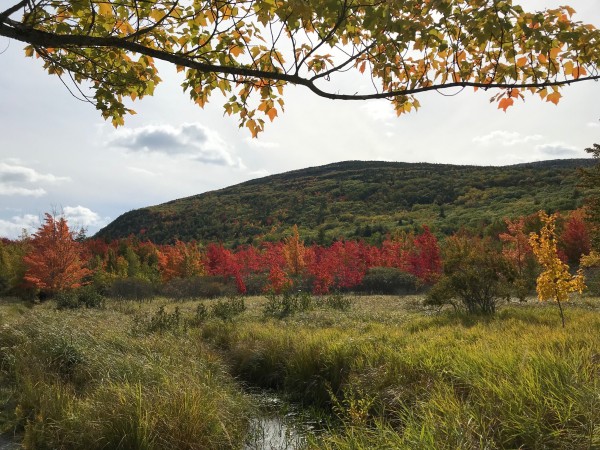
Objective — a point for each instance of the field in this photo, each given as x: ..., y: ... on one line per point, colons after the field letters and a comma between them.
x: 371, y: 372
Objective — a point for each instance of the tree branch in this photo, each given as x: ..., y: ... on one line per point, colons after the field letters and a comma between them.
x: 13, y: 9
x: 15, y: 30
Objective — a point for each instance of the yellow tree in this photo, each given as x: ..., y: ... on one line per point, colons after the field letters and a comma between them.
x: 294, y: 251
x: 555, y: 282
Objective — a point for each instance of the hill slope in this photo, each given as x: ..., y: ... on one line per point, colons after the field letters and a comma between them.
x: 358, y: 199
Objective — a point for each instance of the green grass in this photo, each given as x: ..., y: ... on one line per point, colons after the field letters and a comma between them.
x: 387, y: 373
x: 516, y: 380
x: 86, y: 379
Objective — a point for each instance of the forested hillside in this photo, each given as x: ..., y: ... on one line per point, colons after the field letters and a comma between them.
x: 359, y: 200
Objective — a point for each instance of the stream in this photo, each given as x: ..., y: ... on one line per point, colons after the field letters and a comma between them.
x: 280, y: 425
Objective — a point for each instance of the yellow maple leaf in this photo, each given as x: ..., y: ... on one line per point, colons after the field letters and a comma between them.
x: 105, y: 9
x: 578, y: 72
x: 236, y: 50
x: 272, y: 113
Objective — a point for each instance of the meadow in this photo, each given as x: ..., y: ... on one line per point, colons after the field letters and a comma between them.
x: 373, y: 371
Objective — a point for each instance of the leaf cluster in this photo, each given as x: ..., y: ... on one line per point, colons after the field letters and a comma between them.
x: 249, y: 50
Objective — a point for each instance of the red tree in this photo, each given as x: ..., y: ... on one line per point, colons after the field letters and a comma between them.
x: 221, y: 261
x: 54, y: 263
x: 575, y: 239
x: 424, y: 257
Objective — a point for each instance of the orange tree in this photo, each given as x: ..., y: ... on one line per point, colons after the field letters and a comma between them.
x: 54, y: 261
x: 250, y: 50
x: 555, y: 282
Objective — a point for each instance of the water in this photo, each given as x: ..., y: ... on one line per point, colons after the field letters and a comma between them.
x: 7, y: 444
x: 280, y: 426
x: 273, y: 433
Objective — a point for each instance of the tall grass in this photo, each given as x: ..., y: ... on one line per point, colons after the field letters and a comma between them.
x: 83, y: 380
x: 388, y: 375
x: 516, y: 380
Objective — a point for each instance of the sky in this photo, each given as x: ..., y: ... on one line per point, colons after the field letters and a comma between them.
x: 58, y: 154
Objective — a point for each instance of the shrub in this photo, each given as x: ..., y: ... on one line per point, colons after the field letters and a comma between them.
x: 86, y: 296
x: 389, y: 280
x: 67, y: 300
x: 475, y: 276
x: 159, y: 322
x: 201, y: 314
x: 214, y: 286
x: 337, y: 301
x: 256, y: 283
x: 227, y: 309
x: 163, y: 321
x: 132, y: 289
x: 182, y: 288
x: 282, y: 305
x: 592, y: 280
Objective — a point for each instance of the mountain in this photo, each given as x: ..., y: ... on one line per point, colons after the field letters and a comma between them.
x: 359, y: 199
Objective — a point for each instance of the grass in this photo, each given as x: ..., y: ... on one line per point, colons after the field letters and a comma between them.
x: 386, y: 372
x: 87, y: 379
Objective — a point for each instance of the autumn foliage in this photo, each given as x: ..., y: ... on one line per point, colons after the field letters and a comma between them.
x: 54, y: 263
x: 555, y: 282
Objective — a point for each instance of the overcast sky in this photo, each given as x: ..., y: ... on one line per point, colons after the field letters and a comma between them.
x: 57, y: 153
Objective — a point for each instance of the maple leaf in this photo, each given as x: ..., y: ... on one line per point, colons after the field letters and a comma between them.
x: 505, y: 103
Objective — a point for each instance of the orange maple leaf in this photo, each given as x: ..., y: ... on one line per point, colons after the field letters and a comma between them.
x: 505, y: 103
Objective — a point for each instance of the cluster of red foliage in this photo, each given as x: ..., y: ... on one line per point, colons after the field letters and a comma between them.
x: 57, y: 261
x: 340, y: 266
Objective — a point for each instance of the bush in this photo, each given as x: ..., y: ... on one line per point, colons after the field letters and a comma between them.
x: 201, y: 314
x: 164, y: 321
x: 475, y: 276
x: 389, y: 280
x: 214, y: 286
x: 282, y: 305
x: 592, y: 280
x: 227, y: 309
x: 159, y: 322
x: 337, y: 301
x: 86, y: 296
x: 256, y: 283
x: 67, y: 300
x: 132, y: 289
x: 182, y: 288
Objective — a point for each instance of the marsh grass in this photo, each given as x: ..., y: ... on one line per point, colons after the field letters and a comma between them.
x: 385, y: 373
x: 514, y: 380
x: 82, y: 379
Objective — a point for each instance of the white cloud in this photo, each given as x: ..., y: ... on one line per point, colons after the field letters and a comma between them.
x: 14, y: 176
x: 559, y: 150
x: 76, y: 216
x: 80, y: 216
x: 14, y: 227
x: 16, y: 190
x: 593, y: 124
x: 192, y: 140
x: 505, y: 138
x: 379, y: 111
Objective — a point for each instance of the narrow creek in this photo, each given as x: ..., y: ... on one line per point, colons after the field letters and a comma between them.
x: 280, y: 425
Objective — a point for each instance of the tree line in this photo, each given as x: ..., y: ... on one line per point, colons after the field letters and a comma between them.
x: 467, y: 270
